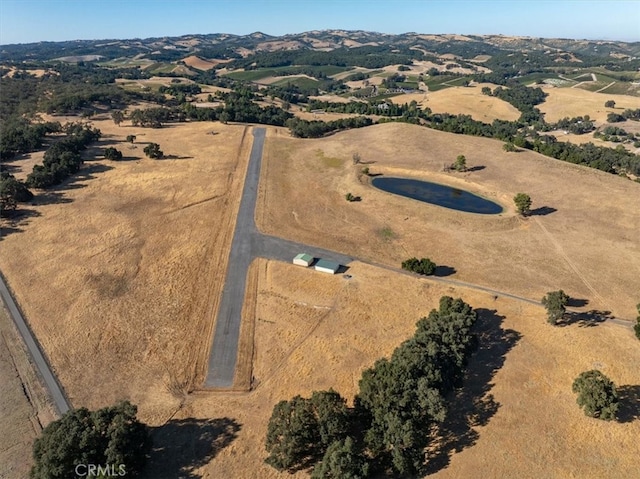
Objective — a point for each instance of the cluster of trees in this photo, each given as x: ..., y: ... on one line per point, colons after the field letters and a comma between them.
x: 62, y: 159
x: 181, y: 89
x: 611, y: 160
x: 111, y: 437
x: 153, y: 151
x: 523, y: 98
x: 624, y: 116
x: 421, y: 266
x: 578, y: 125
x: 315, y: 129
x: 12, y: 192
x: 617, y: 135
x: 401, y: 401
x: 636, y: 326
x: 155, y: 117
x: 365, y: 108
x: 365, y: 56
x: 19, y: 135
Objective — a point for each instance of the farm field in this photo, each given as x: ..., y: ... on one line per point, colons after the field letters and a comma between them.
x: 572, y: 102
x: 463, y: 101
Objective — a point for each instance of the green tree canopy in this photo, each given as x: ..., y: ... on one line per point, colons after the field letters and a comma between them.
x: 152, y: 150
x: 523, y: 203
x: 422, y: 266
x: 111, y: 436
x: 460, y: 164
x: 300, y: 430
x: 341, y: 461
x: 636, y: 327
x: 596, y: 395
x: 111, y: 153
x: 556, y: 304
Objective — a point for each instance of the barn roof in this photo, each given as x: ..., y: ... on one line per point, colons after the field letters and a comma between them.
x: 325, y: 263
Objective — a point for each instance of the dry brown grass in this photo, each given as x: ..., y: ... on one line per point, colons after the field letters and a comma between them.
x: 464, y: 101
x: 120, y: 284
x: 572, y: 102
x: 587, y: 247
x: 122, y: 280
x: 24, y: 406
x: 199, y: 63
x: 315, y: 331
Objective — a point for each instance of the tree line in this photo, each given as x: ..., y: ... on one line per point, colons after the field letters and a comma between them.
x: 396, y: 413
x: 62, y: 158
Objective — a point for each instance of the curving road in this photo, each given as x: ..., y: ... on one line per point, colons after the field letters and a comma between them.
x: 37, y: 355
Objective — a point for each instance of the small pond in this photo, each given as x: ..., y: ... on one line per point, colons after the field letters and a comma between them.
x: 436, y: 194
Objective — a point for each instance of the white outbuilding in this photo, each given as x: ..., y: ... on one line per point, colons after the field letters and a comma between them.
x: 327, y: 266
x: 303, y: 259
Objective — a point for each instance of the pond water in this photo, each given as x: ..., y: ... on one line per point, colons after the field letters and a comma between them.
x: 436, y: 194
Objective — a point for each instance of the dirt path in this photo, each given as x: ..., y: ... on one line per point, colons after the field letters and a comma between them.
x: 570, y: 263
x: 605, y: 87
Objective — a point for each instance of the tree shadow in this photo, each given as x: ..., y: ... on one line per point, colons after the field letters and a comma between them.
x: 175, y: 157
x: 473, y: 405
x: 577, y: 303
x: 476, y: 168
x: 13, y: 221
x: 183, y: 445
x: 442, y: 271
x: 542, y: 211
x: 629, y: 403
x: 50, y: 198
x: 584, y: 319
x: 86, y: 173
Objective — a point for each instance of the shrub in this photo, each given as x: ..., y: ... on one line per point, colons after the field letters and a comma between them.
x: 111, y: 153
x: 422, y: 266
x: 152, y: 150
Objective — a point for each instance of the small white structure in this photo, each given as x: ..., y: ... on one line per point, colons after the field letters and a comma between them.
x: 327, y: 266
x: 303, y: 259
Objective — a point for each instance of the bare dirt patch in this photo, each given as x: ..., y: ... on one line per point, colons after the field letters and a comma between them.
x: 463, y: 101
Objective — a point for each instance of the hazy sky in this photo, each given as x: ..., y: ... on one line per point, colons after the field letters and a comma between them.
x: 25, y: 21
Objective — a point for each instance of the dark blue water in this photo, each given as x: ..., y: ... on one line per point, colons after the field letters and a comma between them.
x: 436, y: 194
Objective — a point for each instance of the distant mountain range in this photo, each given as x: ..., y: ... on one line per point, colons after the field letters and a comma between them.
x: 226, y: 46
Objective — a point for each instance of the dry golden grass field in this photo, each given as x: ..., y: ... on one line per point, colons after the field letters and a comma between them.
x: 24, y: 407
x: 464, y: 101
x: 115, y: 269
x: 119, y: 272
x: 572, y: 102
x: 587, y: 245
